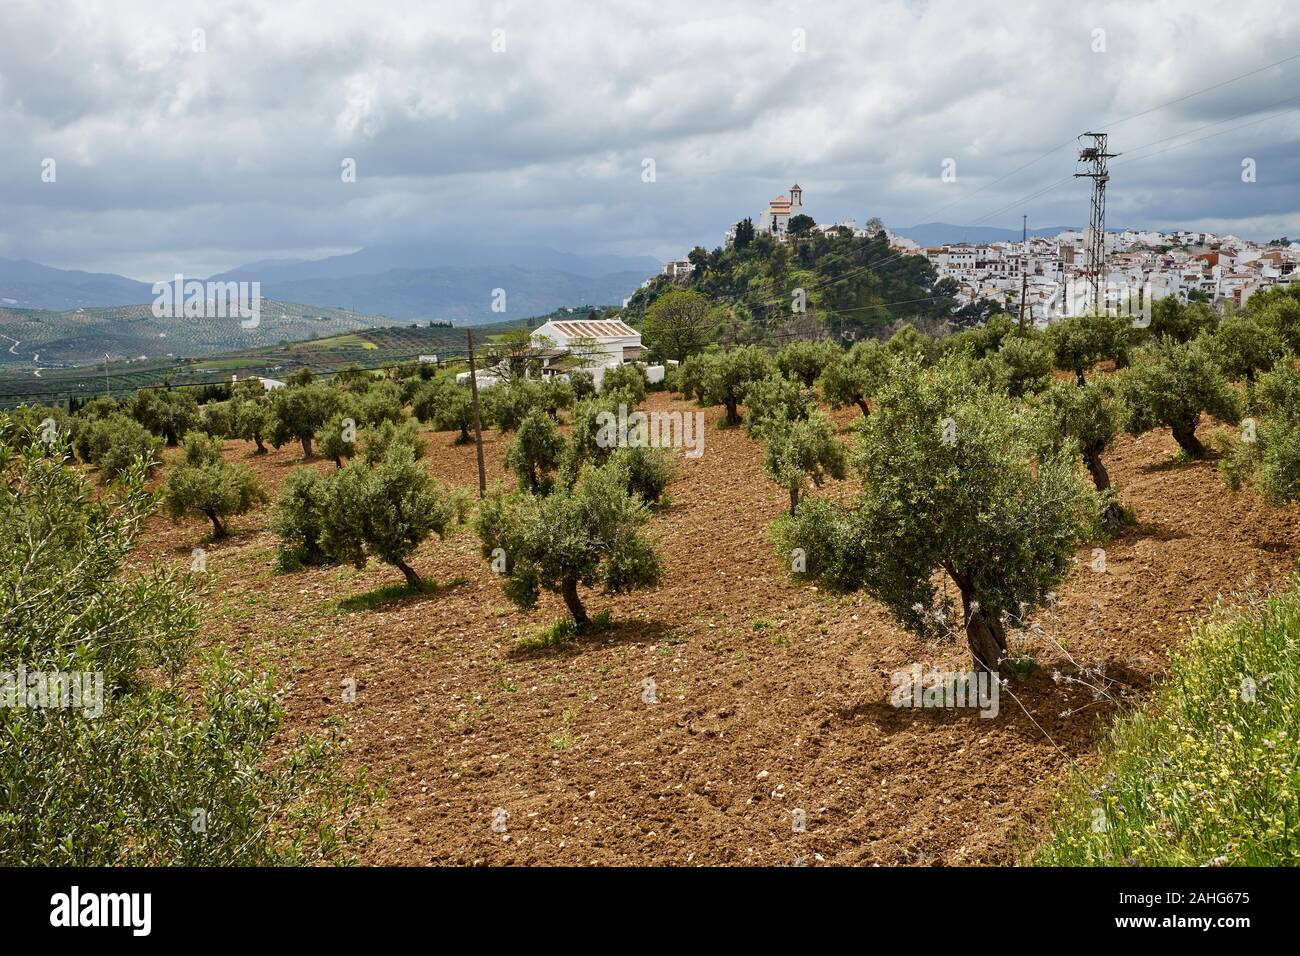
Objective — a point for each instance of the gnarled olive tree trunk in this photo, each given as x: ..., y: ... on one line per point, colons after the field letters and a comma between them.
x: 985, y: 636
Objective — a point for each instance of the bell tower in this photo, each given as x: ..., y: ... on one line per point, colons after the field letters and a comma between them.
x: 796, y: 200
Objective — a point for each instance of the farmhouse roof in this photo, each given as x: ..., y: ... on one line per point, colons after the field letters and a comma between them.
x: 603, y: 329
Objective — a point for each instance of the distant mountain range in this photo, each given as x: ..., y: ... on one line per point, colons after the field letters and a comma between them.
x: 944, y: 233
x: 446, y: 281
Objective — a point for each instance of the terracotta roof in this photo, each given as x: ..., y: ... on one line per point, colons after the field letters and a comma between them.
x: 609, y: 328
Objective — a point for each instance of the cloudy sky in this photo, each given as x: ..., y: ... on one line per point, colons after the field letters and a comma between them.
x: 532, y: 122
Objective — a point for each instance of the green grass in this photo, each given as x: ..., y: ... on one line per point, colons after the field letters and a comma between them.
x: 1204, y: 774
x: 384, y: 595
x: 563, y: 632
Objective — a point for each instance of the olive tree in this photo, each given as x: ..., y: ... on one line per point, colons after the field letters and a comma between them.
x: 204, y: 484
x: 1081, y: 341
x: 855, y: 375
x: 690, y: 375
x: 253, y: 421
x: 802, y: 451
x: 168, y: 413
x: 218, y: 419
x: 1091, y: 416
x: 336, y: 438
x: 1180, y: 321
x: 956, y: 481
x: 1170, y: 385
x: 298, y: 411
x: 1279, y: 310
x: 588, y: 535
x: 387, y: 511
x: 126, y: 771
x: 805, y: 361
x: 627, y: 380
x: 381, y: 403
x: 1267, y: 453
x: 446, y: 406
x: 1021, y: 366
x: 298, y: 520
x: 774, y: 399
x: 535, y: 451
x: 377, y: 439
x: 728, y: 374
x: 1244, y: 346
x: 113, y: 443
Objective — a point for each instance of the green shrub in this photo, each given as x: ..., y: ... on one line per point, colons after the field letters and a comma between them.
x: 298, y: 520
x: 536, y: 450
x: 177, y: 770
x: 203, y: 484
x: 1204, y: 775
x: 627, y: 379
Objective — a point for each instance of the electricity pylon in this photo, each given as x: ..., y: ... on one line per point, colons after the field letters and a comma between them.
x: 1095, y: 157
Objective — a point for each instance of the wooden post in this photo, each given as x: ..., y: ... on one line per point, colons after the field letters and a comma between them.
x: 478, y: 428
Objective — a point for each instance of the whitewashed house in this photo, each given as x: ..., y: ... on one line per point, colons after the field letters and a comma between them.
x: 604, y: 342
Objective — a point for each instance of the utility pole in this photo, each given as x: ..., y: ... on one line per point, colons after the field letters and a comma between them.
x: 478, y: 427
x: 1024, y: 264
x: 1095, y: 157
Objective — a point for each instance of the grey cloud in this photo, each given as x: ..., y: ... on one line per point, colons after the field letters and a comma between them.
x: 207, y: 160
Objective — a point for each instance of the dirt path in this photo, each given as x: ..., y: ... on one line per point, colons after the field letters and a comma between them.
x: 771, y: 696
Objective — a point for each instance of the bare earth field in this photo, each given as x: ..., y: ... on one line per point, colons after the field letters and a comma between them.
x: 772, y: 696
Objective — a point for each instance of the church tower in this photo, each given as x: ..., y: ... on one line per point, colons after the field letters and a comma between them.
x: 796, y: 200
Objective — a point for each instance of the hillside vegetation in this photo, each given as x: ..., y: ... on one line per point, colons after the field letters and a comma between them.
x: 854, y: 287
x: 658, y: 653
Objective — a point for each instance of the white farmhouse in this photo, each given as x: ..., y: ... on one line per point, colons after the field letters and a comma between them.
x: 604, y: 343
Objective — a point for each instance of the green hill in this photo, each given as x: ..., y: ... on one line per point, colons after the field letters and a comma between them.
x: 853, y: 286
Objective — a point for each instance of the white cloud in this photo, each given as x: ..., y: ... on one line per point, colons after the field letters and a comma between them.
x: 214, y: 158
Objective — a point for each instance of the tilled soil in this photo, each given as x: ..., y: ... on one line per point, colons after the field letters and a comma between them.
x: 770, y: 696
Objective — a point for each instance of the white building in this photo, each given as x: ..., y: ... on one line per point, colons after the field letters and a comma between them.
x: 776, y: 219
x: 604, y: 342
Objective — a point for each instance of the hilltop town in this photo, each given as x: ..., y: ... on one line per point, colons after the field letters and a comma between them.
x: 1140, y: 264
